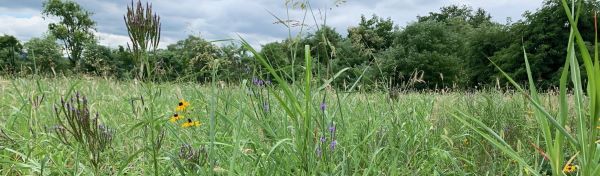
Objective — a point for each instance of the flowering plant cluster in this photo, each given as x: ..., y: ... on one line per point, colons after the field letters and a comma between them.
x: 180, y: 112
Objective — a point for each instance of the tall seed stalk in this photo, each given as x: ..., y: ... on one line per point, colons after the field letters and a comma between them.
x: 143, y: 27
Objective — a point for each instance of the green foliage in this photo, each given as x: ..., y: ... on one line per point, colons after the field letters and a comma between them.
x: 372, y: 35
x: 190, y: 58
x: 458, y: 13
x: 484, y: 42
x: 74, y: 28
x: 411, y: 136
x: 448, y: 48
x: 237, y: 63
x: 44, y: 55
x: 427, y: 47
x: 10, y: 50
x: 543, y: 34
x: 99, y: 60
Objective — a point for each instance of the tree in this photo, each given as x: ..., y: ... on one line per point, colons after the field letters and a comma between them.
x: 372, y: 35
x: 279, y: 56
x: 10, y: 49
x: 98, y: 60
x: 44, y: 55
x: 544, y: 35
x: 424, y: 47
x: 483, y: 43
x: 191, y: 57
x: 240, y: 63
x: 461, y: 13
x: 74, y: 29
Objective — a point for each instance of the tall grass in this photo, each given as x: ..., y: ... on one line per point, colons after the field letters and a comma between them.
x: 410, y: 136
x: 308, y: 130
x: 579, y: 145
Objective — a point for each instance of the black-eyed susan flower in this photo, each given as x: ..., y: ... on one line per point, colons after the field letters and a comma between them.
x: 190, y: 123
x: 569, y: 168
x: 175, y: 117
x: 182, y: 105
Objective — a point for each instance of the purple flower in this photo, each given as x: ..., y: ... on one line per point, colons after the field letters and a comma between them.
x: 332, y: 128
x: 266, y: 107
x: 258, y: 82
x: 261, y: 83
x: 332, y: 145
x: 323, y: 139
x: 318, y: 151
x: 323, y: 106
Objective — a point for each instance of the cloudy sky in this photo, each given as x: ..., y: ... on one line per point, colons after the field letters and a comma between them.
x: 224, y: 19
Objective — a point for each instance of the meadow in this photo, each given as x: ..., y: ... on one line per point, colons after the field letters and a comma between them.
x: 245, y: 131
x: 303, y: 117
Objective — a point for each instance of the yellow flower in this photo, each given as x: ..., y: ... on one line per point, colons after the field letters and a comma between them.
x: 182, y: 105
x: 175, y: 117
x: 569, y: 168
x: 190, y: 123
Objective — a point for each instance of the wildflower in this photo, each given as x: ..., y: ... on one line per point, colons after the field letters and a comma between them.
x: 175, y: 118
x: 182, y: 105
x: 323, y: 139
x: 569, y: 168
x: 323, y: 106
x: 190, y: 123
x: 257, y: 82
x: 318, y: 151
x: 188, y: 153
x: 260, y: 82
x: 266, y: 107
x: 332, y: 128
x: 333, y: 144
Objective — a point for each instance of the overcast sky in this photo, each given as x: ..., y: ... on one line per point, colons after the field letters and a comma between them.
x: 224, y: 19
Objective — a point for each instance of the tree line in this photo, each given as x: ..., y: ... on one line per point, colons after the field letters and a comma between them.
x: 454, y: 47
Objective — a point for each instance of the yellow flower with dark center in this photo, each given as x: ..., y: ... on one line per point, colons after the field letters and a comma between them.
x: 569, y: 168
x: 175, y: 117
x: 182, y: 105
x: 190, y: 123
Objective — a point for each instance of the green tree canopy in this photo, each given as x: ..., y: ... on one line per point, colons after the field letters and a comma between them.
x: 74, y: 28
x: 45, y: 55
x: 10, y: 48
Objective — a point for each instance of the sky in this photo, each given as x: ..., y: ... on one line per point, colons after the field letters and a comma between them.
x: 251, y: 19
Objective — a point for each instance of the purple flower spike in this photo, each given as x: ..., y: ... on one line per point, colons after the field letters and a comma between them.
x: 333, y: 144
x: 323, y: 106
x: 318, y: 151
x: 323, y: 139
x: 332, y: 128
x: 266, y: 107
